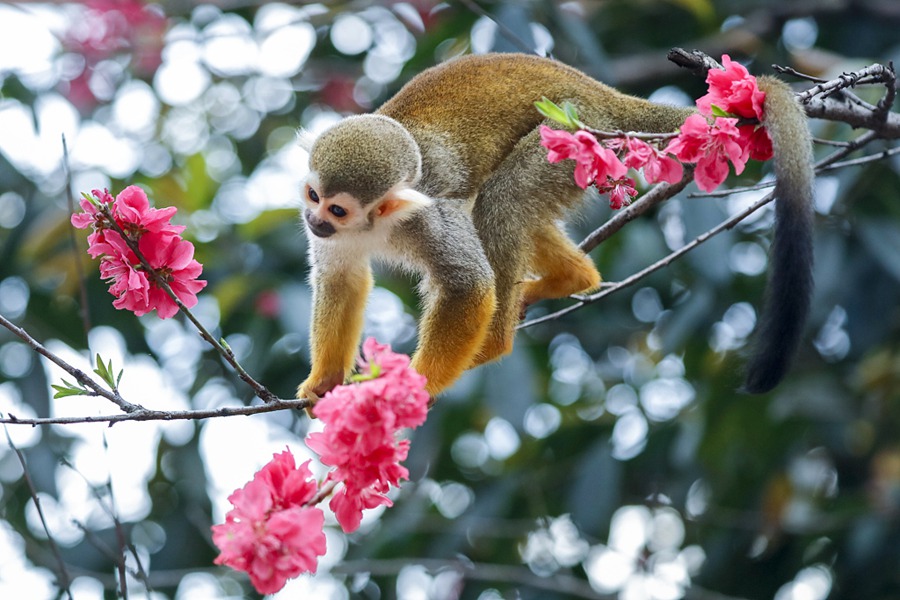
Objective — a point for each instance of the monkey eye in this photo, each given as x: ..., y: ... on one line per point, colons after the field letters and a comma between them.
x: 337, y: 211
x: 313, y: 195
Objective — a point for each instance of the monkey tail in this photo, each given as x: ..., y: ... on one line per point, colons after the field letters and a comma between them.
x: 790, y: 284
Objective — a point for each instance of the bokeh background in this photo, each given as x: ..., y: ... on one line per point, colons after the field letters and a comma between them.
x: 610, y: 456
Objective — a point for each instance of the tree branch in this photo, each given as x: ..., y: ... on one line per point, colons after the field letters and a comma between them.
x: 78, y: 374
x: 260, y: 390
x: 654, y: 197
x: 144, y: 414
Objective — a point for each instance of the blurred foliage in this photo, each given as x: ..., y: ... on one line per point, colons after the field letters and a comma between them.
x: 624, y: 415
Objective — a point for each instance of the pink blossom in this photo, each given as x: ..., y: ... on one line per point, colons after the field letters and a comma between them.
x: 594, y: 162
x: 755, y: 141
x: 620, y: 191
x: 134, y: 215
x: 173, y: 259
x: 360, y: 434
x: 733, y: 90
x: 711, y: 146
x: 657, y: 165
x: 271, y: 533
x: 158, y: 241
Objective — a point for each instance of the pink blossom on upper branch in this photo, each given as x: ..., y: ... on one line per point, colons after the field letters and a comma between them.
x: 711, y: 146
x: 271, y: 533
x: 157, y: 239
x: 733, y: 90
x: 360, y: 435
x: 736, y: 92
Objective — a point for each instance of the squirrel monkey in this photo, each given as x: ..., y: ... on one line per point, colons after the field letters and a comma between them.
x: 448, y: 179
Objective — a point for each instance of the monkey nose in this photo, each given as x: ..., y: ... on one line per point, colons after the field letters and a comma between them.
x: 319, y: 228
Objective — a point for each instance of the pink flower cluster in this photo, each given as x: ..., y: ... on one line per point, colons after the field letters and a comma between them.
x: 158, y: 241
x: 711, y: 140
x: 360, y: 434
x: 271, y: 533
x: 708, y: 139
x: 598, y: 162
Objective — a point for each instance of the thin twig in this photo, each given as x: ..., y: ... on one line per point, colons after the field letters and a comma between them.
x: 121, y: 540
x: 78, y: 374
x: 323, y: 493
x: 863, y: 159
x: 144, y: 414
x: 872, y: 74
x: 63, y: 575
x: 654, y: 197
x: 640, y: 135
x: 795, y: 73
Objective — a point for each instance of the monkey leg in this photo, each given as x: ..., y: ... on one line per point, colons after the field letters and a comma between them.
x: 516, y: 209
x: 458, y: 291
x: 339, y: 302
x: 450, y: 334
x: 562, y: 269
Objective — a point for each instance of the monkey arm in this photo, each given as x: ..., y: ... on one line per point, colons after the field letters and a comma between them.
x: 458, y: 291
x: 341, y: 286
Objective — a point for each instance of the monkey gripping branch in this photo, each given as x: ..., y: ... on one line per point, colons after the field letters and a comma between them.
x: 275, y: 530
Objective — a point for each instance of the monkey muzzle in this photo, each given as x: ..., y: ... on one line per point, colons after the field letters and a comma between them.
x: 319, y: 227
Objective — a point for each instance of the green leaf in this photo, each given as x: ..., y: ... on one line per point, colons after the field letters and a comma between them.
x: 67, y: 390
x: 564, y: 116
x: 103, y: 371
x: 718, y: 112
x: 572, y: 115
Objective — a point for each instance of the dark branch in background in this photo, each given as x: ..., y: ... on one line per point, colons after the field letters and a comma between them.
x: 505, y: 31
x: 568, y: 585
x: 117, y: 558
x: 571, y: 586
x: 62, y: 576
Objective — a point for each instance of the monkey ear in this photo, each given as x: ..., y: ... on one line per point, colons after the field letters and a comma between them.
x: 305, y: 138
x: 401, y: 202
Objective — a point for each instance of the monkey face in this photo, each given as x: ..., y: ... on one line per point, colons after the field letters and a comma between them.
x: 327, y: 216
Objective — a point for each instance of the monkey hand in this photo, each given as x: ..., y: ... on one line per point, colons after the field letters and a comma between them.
x: 314, y: 388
